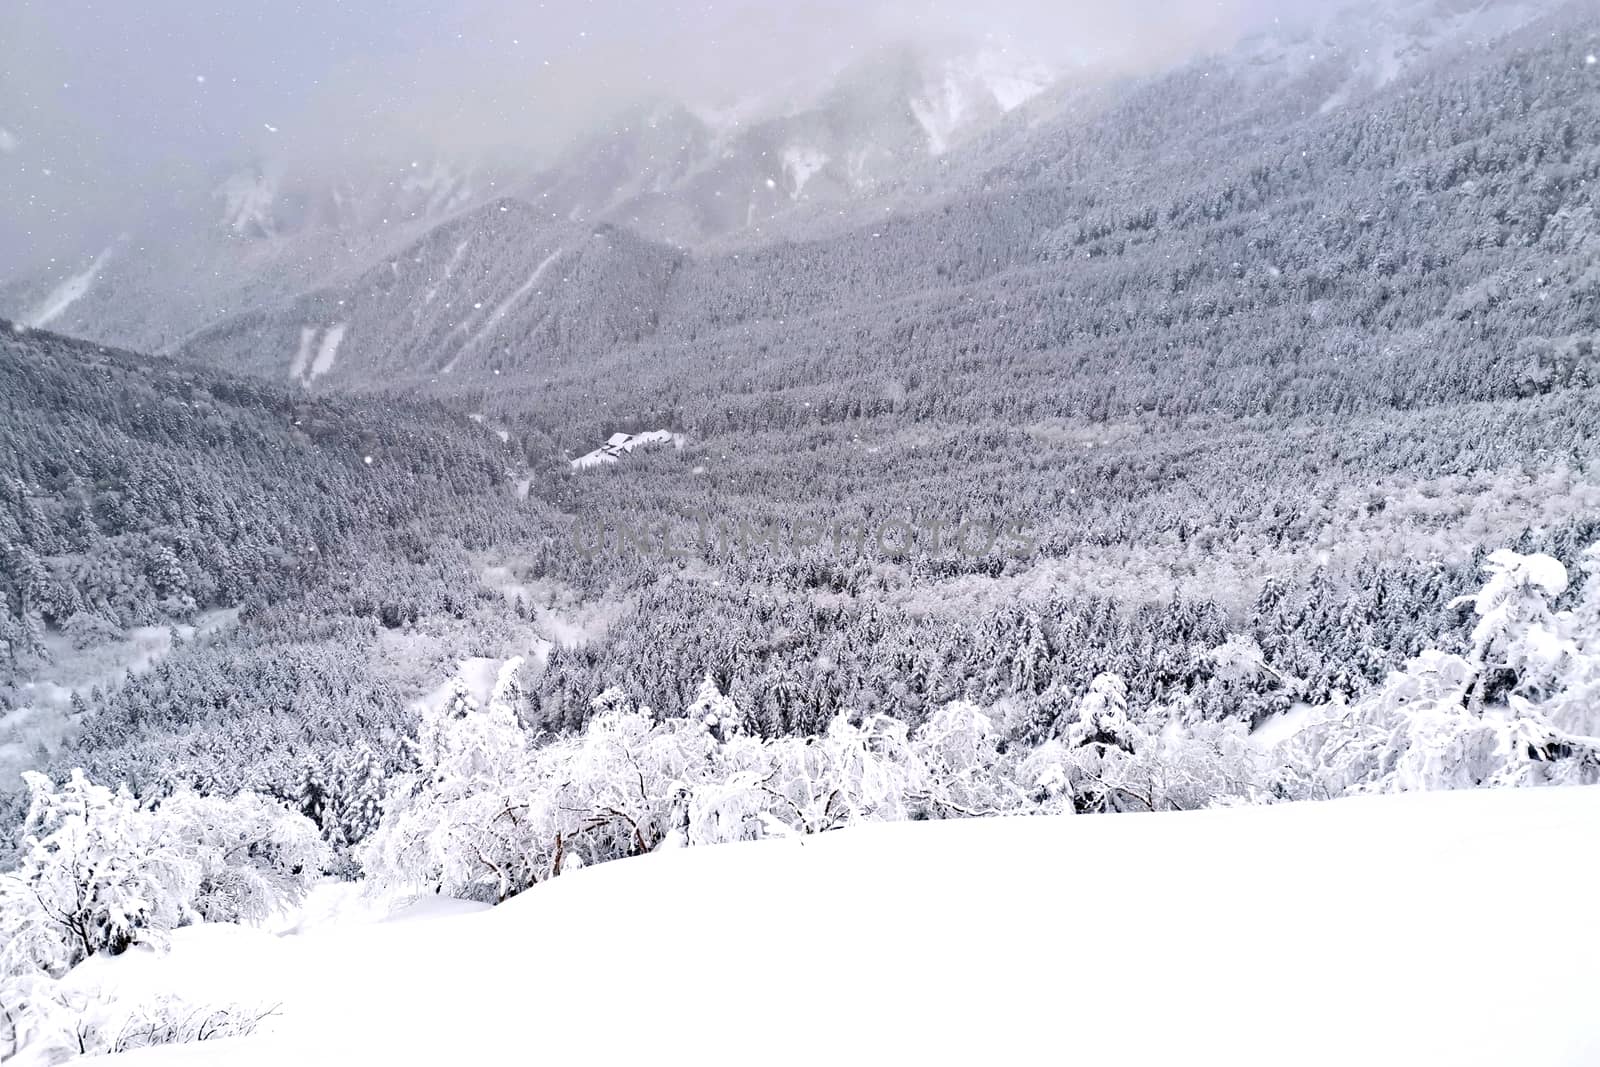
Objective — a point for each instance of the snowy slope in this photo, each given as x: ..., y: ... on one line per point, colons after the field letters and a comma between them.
x: 1371, y: 44
x: 1425, y: 928
x: 67, y: 293
x: 498, y: 288
x: 265, y: 233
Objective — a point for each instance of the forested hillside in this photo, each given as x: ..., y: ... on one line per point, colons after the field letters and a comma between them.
x: 1201, y: 246
x: 1277, y: 370
x: 505, y: 289
x: 142, y: 493
x: 1239, y: 237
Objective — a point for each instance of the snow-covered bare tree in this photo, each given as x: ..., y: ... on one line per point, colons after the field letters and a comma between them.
x: 96, y: 873
x: 457, y: 823
x: 251, y: 857
x: 851, y: 774
x: 963, y: 769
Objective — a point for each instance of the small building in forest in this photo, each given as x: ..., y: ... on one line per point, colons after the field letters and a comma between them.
x: 622, y: 444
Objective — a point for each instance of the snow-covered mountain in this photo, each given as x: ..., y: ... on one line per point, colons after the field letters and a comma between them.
x: 1164, y: 475
x: 265, y: 232
x: 271, y: 230
x: 1363, y: 47
x: 268, y: 199
x: 898, y: 130
x: 686, y: 177
x: 578, y: 261
x: 501, y: 288
x: 973, y: 90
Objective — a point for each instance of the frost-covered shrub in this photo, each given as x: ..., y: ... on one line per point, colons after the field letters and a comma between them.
x: 95, y: 874
x: 849, y: 775
x: 99, y: 873
x: 251, y: 857
x: 512, y: 815
x: 462, y: 821
x: 1518, y: 709
x: 1110, y: 758
x: 489, y: 813
x: 963, y: 771
x: 61, y: 1023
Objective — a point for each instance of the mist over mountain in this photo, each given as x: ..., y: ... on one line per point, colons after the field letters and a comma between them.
x: 870, y: 135
x: 118, y: 120
x: 1029, y: 208
x: 669, y: 171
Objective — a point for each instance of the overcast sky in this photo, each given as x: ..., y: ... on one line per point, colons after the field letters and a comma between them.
x: 111, y: 110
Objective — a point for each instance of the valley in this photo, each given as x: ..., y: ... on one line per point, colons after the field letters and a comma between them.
x: 419, y: 554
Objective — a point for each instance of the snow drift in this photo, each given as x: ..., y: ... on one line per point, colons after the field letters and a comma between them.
x: 1424, y: 928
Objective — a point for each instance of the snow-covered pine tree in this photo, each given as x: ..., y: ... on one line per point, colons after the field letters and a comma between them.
x: 1103, y: 716
x: 1031, y: 658
x: 719, y: 713
x: 1516, y: 710
x: 361, y: 793
x: 312, y: 792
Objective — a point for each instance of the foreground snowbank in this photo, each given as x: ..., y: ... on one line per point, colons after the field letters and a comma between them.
x: 1429, y: 928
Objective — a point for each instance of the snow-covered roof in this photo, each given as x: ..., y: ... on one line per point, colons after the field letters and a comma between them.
x: 619, y: 444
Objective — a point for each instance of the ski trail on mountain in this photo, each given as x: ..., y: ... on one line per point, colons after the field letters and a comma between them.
x: 505, y: 307
x: 449, y: 270
x: 69, y: 292
x: 327, y: 351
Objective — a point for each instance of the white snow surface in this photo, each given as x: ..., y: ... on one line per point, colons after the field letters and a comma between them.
x: 500, y: 312
x: 1416, y: 929
x: 970, y: 87
x: 442, y: 189
x: 449, y: 270
x: 308, y: 367
x: 1281, y: 727
x: 476, y: 673
x: 522, y: 291
x: 1011, y: 81
x: 800, y: 165
x: 327, y: 351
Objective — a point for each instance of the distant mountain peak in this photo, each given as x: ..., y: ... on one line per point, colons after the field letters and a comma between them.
x: 248, y: 197
x: 966, y: 91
